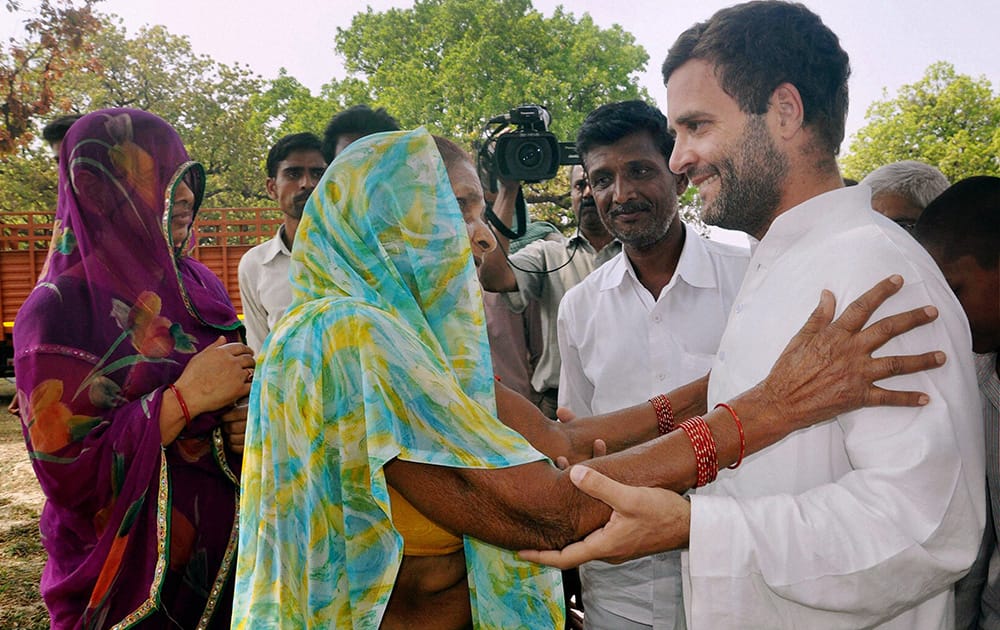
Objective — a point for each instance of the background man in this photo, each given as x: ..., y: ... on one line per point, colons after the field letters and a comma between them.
x: 544, y: 270
x: 294, y: 166
x: 54, y: 132
x: 961, y: 230
x: 648, y: 320
x: 902, y: 190
x: 354, y: 122
x: 867, y: 520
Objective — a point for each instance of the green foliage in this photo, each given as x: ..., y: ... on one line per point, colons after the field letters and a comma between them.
x: 56, y: 43
x: 451, y: 64
x: 946, y: 119
x: 446, y: 64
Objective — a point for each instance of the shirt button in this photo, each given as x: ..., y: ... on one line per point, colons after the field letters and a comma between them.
x: 722, y: 355
x: 660, y: 377
x: 739, y: 308
x: 656, y: 318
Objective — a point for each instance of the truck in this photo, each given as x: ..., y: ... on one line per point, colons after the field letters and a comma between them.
x: 222, y: 236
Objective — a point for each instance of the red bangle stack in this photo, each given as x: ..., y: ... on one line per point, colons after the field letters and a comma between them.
x: 705, y: 455
x: 739, y: 427
x: 664, y: 414
x: 183, y: 405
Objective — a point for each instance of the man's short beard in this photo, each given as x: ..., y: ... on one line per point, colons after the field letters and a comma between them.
x: 749, y: 191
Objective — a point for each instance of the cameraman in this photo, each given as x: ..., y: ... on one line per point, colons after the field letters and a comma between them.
x: 544, y: 270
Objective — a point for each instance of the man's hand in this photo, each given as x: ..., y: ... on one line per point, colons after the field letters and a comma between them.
x: 645, y: 521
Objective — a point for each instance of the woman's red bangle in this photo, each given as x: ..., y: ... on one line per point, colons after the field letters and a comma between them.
x: 705, y: 454
x: 739, y: 427
x: 180, y: 401
x: 664, y: 414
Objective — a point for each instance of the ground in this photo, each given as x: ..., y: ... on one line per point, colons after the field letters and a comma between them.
x: 21, y: 553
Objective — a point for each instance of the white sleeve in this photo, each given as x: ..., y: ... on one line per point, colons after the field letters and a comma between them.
x: 254, y: 317
x: 893, y: 533
x: 576, y: 392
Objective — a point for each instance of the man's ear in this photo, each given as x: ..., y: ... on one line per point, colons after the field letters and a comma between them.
x: 787, y: 109
x: 272, y: 188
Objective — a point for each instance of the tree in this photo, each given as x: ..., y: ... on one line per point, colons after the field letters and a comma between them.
x: 57, y: 42
x: 453, y: 64
x: 207, y: 102
x: 946, y: 119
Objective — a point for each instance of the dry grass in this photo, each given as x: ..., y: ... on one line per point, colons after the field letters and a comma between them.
x: 21, y: 554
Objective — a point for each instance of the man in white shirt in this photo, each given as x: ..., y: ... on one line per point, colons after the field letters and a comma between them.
x: 668, y: 294
x: 961, y: 230
x: 867, y: 520
x: 294, y: 166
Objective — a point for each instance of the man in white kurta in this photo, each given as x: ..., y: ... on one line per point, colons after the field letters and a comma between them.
x: 863, y: 521
x: 866, y: 519
x: 655, y: 345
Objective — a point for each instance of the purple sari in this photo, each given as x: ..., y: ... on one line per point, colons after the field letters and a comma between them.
x: 135, y: 532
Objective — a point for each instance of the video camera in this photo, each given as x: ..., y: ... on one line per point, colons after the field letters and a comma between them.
x: 527, y: 152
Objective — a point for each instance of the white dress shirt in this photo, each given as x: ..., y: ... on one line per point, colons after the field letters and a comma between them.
x: 265, y: 290
x: 866, y: 520
x: 620, y: 347
x: 545, y: 270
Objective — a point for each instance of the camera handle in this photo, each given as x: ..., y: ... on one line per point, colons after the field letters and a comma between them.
x: 520, y: 218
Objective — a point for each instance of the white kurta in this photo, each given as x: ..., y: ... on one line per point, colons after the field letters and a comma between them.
x: 864, y: 520
x: 620, y: 347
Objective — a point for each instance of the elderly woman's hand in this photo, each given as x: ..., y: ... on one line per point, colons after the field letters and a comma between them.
x: 217, y: 376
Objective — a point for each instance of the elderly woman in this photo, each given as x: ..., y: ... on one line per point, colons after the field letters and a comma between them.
x: 379, y: 485
x: 127, y: 366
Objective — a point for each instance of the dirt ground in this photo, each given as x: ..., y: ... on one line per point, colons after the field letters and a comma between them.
x: 21, y: 554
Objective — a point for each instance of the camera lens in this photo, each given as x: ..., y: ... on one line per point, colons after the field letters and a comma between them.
x: 529, y: 154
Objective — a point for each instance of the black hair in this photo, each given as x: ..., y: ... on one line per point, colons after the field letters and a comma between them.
x: 610, y: 123
x: 963, y: 220
x: 304, y: 141
x: 56, y: 130
x: 357, y: 119
x: 756, y: 46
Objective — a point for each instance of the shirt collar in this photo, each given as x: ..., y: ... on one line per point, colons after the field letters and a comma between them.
x: 276, y: 246
x: 694, y: 266
x: 831, y: 211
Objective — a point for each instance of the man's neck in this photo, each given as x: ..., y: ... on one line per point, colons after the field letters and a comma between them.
x: 288, y: 234
x: 799, y: 188
x: 655, y: 266
x: 598, y: 239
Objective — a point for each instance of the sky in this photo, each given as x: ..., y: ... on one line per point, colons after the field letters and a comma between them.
x: 891, y: 42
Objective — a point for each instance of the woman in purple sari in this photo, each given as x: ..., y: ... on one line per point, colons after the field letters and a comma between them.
x: 128, y: 365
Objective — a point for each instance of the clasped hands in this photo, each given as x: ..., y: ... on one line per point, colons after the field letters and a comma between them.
x: 826, y: 369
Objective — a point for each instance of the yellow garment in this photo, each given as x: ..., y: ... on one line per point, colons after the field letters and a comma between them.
x: 421, y: 535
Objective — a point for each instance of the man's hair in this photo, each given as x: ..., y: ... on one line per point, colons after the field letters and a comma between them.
x: 304, y: 141
x: 964, y: 219
x: 451, y: 153
x: 357, y: 119
x: 56, y: 130
x: 757, y: 46
x: 610, y: 123
x: 916, y: 182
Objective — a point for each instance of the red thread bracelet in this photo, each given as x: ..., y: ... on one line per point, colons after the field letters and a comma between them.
x: 664, y: 414
x: 739, y: 427
x: 703, y: 443
x: 180, y: 401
